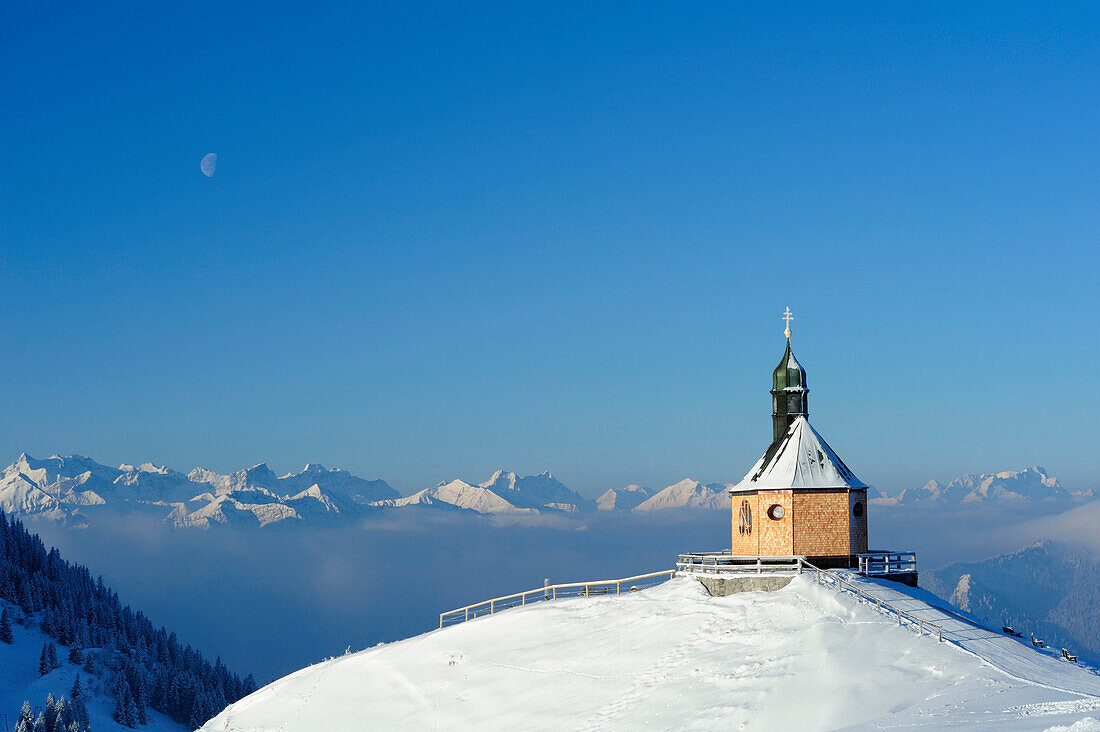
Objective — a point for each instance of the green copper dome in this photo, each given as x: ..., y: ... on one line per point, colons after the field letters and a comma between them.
x: 789, y: 372
x: 789, y: 393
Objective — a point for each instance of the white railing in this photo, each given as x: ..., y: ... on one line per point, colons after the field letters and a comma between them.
x: 716, y: 563
x: 554, y: 592
x: 723, y: 563
x: 829, y: 579
x: 887, y: 563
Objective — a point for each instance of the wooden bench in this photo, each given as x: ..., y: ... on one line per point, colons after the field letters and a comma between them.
x: 1036, y: 642
x: 1007, y: 629
x: 1068, y: 656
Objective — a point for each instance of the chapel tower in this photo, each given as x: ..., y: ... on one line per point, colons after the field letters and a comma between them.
x: 799, y: 498
x: 789, y: 392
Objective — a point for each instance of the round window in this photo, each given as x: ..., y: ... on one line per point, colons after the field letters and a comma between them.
x: 857, y: 510
x: 776, y: 512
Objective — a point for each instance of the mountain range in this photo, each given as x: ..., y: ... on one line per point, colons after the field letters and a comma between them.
x: 77, y: 490
x: 1033, y: 483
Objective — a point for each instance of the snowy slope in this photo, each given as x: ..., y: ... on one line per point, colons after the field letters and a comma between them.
x: 672, y: 658
x: 19, y: 682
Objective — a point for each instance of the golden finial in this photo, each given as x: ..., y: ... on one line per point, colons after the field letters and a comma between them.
x: 788, y: 317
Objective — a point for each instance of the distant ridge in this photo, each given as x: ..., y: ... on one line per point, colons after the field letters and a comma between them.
x: 1031, y: 484
x: 77, y: 490
x: 688, y: 494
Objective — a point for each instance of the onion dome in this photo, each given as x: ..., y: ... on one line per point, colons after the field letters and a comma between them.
x: 789, y: 391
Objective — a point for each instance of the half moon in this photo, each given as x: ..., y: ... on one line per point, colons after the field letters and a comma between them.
x: 209, y: 164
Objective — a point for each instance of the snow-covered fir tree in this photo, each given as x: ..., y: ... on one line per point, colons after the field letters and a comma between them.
x: 48, y: 660
x: 125, y: 712
x: 25, y: 723
x: 6, y: 635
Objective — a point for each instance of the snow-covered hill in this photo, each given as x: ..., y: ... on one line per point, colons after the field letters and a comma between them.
x: 673, y: 657
x: 1033, y: 483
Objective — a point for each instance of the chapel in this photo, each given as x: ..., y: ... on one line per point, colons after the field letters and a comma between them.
x: 799, y: 498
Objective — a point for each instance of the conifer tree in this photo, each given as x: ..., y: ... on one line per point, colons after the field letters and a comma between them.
x: 199, y: 712
x: 26, y: 716
x: 76, y: 658
x: 6, y: 635
x: 78, y: 706
x: 49, y: 715
x: 51, y: 656
x: 124, y: 712
x: 44, y: 666
x: 65, y: 714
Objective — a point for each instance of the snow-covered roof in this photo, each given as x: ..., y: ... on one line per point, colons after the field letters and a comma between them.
x: 801, y: 459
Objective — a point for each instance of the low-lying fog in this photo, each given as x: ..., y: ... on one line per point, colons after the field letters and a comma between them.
x: 272, y: 601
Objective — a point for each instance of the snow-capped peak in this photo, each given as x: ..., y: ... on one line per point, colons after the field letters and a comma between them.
x: 1033, y: 483
x: 687, y: 493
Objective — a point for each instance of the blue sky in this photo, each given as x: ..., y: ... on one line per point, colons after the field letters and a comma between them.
x: 445, y: 239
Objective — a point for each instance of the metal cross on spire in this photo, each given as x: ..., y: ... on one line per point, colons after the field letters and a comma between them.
x: 788, y: 317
